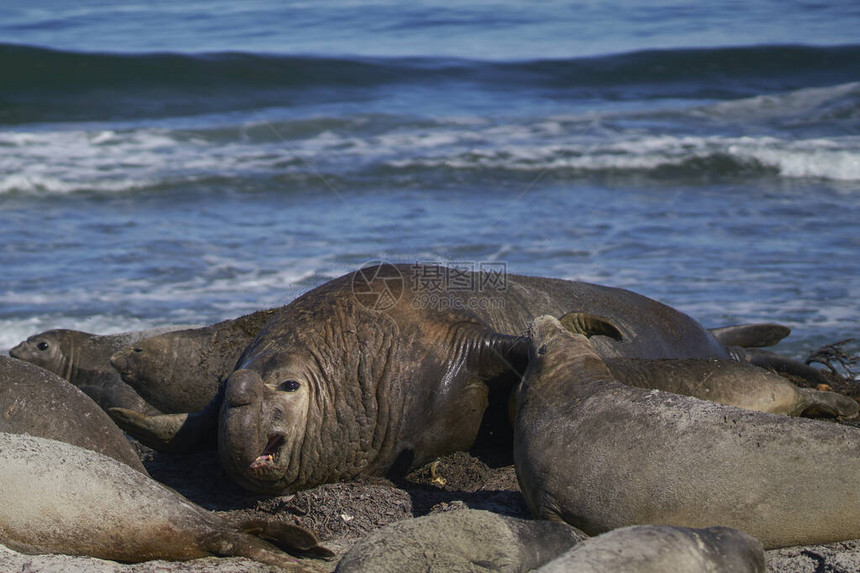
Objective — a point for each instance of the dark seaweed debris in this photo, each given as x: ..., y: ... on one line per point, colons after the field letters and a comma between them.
x: 835, y: 353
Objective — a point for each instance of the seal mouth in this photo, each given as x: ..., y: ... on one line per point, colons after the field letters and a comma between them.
x: 265, y: 462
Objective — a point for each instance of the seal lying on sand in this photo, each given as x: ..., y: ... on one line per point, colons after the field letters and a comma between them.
x: 461, y: 540
x: 179, y: 371
x: 84, y: 360
x: 40, y: 403
x: 58, y: 498
x: 660, y: 549
x: 731, y: 383
x: 378, y: 371
x: 601, y: 455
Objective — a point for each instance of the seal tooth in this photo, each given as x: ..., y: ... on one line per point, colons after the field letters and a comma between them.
x: 262, y: 461
x: 267, y: 457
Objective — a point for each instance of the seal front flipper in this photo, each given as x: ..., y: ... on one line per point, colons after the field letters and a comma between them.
x: 590, y: 325
x: 816, y: 403
x: 173, y: 432
x: 286, y: 536
x: 750, y: 335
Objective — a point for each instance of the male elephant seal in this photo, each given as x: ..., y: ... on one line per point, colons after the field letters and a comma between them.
x: 40, y: 403
x: 661, y: 549
x: 58, y: 498
x: 392, y: 366
x: 179, y: 371
x: 84, y: 360
x: 465, y: 540
x: 601, y: 455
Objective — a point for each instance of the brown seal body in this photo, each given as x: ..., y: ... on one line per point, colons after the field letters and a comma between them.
x: 179, y: 371
x: 389, y: 367
x: 58, y: 498
x: 84, y: 360
x: 40, y: 403
x: 661, y: 549
x: 732, y: 383
x: 601, y: 455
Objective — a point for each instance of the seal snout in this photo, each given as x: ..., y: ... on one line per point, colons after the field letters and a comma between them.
x: 244, y: 387
x: 120, y: 361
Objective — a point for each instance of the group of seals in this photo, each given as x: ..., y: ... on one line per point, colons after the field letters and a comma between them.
x: 159, y: 370
x: 377, y: 372
x: 84, y: 360
x: 602, y: 455
x: 337, y: 386
x: 59, y: 498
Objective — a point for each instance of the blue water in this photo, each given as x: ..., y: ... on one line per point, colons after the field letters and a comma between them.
x: 166, y: 162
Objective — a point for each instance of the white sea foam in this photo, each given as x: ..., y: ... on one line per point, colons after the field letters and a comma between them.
x: 229, y: 288
x: 837, y: 159
x: 123, y: 160
x: 795, y: 107
x: 824, y: 159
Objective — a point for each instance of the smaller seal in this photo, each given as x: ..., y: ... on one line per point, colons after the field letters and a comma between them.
x: 732, y: 383
x: 38, y: 402
x: 179, y: 371
x: 657, y: 549
x: 59, y: 498
x: 460, y: 540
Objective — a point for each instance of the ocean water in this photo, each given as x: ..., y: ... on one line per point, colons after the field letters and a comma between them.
x: 166, y: 162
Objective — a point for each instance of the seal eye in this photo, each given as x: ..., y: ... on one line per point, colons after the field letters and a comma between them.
x: 43, y: 345
x: 289, y: 386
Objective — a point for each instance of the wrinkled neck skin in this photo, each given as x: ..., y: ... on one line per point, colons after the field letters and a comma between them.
x: 341, y: 423
x: 451, y: 365
x: 70, y: 357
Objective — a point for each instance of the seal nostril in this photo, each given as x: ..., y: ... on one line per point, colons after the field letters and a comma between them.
x: 244, y: 387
